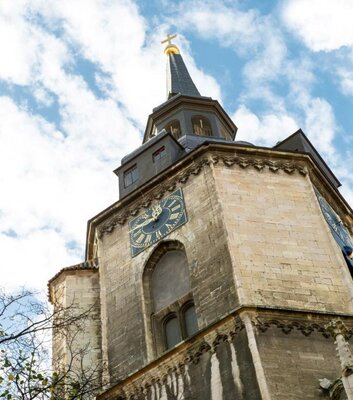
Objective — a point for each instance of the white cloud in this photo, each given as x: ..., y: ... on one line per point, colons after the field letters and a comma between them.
x: 212, y: 19
x: 113, y: 37
x: 321, y: 125
x: 19, y: 45
x: 265, y: 130
x: 251, y: 35
x: 344, y: 70
x: 54, y: 184
x: 323, y: 25
x: 31, y: 260
x: 259, y: 41
x: 55, y: 178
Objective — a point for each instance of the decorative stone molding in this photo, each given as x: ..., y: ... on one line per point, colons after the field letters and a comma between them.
x: 337, y: 327
x: 261, y: 163
x: 142, y: 389
x: 156, y: 194
x: 84, y: 266
x: 340, y: 333
x: 194, y: 169
x: 287, y: 326
x: 334, y: 389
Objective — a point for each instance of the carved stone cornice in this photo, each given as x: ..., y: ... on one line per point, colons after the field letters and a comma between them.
x: 155, y: 194
x: 259, y: 164
x: 289, y: 325
x: 194, y: 169
x: 134, y: 389
x: 172, y: 365
x: 211, y: 153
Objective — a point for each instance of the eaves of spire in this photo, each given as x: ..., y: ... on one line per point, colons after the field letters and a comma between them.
x: 178, y: 78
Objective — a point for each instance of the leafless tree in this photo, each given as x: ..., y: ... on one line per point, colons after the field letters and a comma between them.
x: 26, y: 371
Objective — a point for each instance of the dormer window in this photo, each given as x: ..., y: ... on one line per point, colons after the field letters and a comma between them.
x: 131, y: 176
x: 174, y: 128
x: 201, y: 126
x: 159, y: 154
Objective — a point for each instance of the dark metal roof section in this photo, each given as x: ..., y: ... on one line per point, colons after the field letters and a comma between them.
x: 178, y: 78
x: 298, y: 141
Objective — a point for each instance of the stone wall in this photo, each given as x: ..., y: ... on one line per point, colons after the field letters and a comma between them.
x: 77, y: 338
x: 296, y: 352
x: 291, y: 352
x: 282, y: 250
x: 255, y: 238
x: 123, y: 302
x: 215, y: 364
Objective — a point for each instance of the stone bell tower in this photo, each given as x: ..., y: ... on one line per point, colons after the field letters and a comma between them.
x: 219, y: 270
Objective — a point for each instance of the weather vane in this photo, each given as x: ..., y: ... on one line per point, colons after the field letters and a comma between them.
x: 171, y: 48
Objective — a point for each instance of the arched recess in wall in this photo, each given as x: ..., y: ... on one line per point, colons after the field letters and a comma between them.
x: 174, y: 128
x: 201, y: 125
x: 168, y: 299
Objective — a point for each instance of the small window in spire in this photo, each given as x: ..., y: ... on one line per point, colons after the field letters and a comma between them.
x: 174, y: 128
x: 201, y: 126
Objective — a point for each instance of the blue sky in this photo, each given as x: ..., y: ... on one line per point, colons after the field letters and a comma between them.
x: 79, y: 78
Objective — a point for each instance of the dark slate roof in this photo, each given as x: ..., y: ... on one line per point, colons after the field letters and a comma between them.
x: 298, y: 141
x: 146, y: 145
x: 179, y: 79
x: 244, y: 143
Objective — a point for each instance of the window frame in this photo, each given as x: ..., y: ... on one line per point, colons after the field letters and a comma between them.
x: 183, y: 309
x: 155, y: 337
x: 169, y: 128
x: 176, y: 310
x: 201, y: 118
x: 161, y: 150
x: 169, y: 317
x: 130, y: 171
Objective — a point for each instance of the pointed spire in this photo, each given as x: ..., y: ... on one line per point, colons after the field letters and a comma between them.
x: 178, y: 78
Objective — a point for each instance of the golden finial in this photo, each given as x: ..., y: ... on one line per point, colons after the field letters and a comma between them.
x: 171, y: 48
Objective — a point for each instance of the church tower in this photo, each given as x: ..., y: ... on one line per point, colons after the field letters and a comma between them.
x: 224, y: 269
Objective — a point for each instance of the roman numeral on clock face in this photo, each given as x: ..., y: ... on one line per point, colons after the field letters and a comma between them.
x: 172, y: 203
x: 157, y: 222
x: 140, y: 238
x: 169, y: 227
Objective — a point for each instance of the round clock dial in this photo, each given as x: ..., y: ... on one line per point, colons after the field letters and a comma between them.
x: 157, y: 222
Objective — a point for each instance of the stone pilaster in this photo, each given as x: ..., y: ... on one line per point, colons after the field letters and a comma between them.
x: 339, y: 331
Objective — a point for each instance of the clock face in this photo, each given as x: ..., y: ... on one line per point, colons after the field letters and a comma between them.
x: 340, y: 233
x: 157, y: 222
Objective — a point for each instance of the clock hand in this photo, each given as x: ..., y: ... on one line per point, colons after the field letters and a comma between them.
x: 146, y: 222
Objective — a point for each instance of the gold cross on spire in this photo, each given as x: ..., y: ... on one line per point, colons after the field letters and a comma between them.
x: 171, y: 48
x: 168, y: 39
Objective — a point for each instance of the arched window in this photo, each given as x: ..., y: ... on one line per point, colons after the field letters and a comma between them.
x: 190, y: 319
x: 172, y: 331
x: 201, y: 126
x: 169, y: 298
x: 179, y: 325
x: 170, y: 279
x: 174, y: 128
